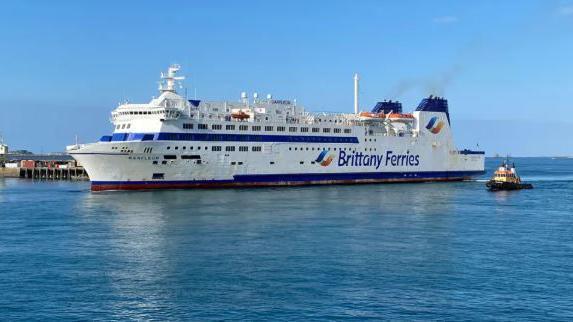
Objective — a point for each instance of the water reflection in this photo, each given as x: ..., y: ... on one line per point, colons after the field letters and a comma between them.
x: 136, y: 256
x: 2, y: 189
x: 155, y: 239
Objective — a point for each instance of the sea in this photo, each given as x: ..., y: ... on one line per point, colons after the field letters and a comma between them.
x: 398, y: 252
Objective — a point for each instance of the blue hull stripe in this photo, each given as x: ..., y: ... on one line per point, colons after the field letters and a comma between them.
x: 314, y: 177
x: 215, y: 137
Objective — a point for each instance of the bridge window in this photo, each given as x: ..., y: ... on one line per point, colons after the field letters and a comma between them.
x: 230, y: 127
x: 216, y: 127
x: 280, y: 128
x: 187, y: 126
x: 243, y: 127
x: 202, y: 126
x: 243, y: 148
x: 215, y: 148
x: 256, y: 149
x: 268, y: 128
x: 326, y: 130
x: 230, y: 148
x: 256, y: 128
x: 315, y: 130
x: 292, y: 129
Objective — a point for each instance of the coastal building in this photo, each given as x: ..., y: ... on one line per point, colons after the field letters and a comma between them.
x: 3, y: 151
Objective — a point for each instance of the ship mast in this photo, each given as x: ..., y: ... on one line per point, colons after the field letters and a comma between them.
x: 168, y: 80
x: 356, y: 79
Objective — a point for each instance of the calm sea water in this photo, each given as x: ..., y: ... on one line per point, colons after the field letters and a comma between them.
x: 434, y: 251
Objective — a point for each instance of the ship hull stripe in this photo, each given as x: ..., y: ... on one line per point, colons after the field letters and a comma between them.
x: 225, y: 137
x: 290, y: 180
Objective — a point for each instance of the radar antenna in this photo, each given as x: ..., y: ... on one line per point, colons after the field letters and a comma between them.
x: 168, y: 81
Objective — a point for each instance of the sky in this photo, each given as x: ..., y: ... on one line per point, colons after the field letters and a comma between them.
x: 506, y: 67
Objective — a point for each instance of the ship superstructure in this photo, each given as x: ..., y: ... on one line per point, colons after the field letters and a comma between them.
x: 175, y: 142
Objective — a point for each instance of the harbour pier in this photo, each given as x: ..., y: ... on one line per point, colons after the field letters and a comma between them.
x: 46, y: 173
x: 42, y: 167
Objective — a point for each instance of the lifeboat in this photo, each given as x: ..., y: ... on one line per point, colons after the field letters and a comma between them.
x: 400, y: 116
x: 240, y: 115
x: 370, y: 115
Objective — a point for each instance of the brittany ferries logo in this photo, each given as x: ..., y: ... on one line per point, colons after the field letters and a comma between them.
x: 433, y: 127
x: 325, y: 162
x: 360, y: 159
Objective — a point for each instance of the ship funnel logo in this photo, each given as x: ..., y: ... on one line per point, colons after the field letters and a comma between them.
x: 433, y: 127
x: 323, y: 159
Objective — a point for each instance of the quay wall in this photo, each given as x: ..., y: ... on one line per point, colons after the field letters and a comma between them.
x: 9, y: 172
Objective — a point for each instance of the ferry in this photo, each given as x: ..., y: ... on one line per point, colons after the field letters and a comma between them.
x: 174, y: 142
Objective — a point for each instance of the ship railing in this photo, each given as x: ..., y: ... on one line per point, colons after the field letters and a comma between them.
x: 308, y: 119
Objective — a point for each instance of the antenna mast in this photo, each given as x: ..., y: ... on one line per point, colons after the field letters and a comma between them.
x: 356, y: 79
x: 168, y: 80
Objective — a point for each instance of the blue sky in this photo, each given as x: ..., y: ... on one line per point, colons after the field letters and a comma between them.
x: 505, y: 66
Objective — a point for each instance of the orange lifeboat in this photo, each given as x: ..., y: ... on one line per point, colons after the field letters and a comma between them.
x: 400, y: 116
x: 371, y: 115
x: 240, y: 115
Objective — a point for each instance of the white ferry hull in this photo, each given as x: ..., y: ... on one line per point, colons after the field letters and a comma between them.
x: 276, y: 165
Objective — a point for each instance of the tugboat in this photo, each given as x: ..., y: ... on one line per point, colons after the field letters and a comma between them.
x: 506, y: 178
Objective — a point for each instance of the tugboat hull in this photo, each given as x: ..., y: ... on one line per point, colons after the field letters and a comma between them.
x: 497, y: 186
